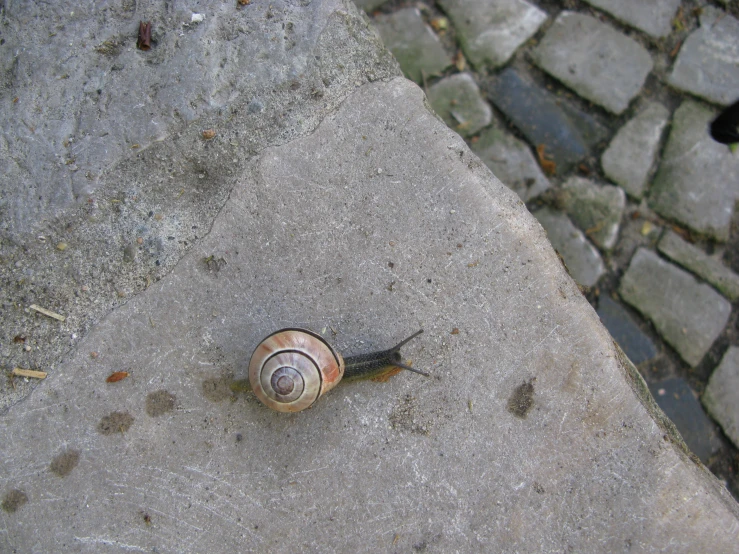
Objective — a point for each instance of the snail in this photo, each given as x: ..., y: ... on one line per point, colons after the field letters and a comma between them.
x: 291, y: 368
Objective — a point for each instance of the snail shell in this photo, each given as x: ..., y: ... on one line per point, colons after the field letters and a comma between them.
x: 292, y: 368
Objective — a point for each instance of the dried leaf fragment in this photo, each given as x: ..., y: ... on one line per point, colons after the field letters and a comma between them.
x: 459, y: 62
x: 549, y: 167
x: 116, y: 376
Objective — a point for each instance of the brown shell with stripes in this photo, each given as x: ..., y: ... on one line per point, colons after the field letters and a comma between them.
x: 292, y: 368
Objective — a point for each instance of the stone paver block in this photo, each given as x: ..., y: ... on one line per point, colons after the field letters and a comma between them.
x: 457, y: 100
x: 582, y: 259
x: 595, y: 209
x: 687, y: 314
x: 704, y: 266
x: 721, y: 397
x: 629, y: 158
x: 708, y: 62
x: 654, y: 17
x: 593, y: 59
x: 697, y: 181
x: 566, y: 133
x: 490, y: 32
x: 416, y: 47
x: 637, y: 346
x: 511, y: 160
x: 680, y: 404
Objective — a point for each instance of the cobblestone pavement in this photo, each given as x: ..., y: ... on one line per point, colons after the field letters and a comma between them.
x: 596, y: 113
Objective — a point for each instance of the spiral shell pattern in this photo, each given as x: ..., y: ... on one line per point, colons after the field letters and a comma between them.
x: 292, y: 368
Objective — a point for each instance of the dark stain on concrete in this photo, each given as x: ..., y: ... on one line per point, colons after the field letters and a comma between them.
x: 115, y: 422
x: 218, y: 389
x: 13, y: 500
x: 159, y: 403
x: 522, y: 400
x: 64, y: 463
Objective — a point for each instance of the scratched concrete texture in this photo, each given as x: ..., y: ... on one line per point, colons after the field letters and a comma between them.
x: 340, y: 203
x: 534, y: 432
x: 257, y: 76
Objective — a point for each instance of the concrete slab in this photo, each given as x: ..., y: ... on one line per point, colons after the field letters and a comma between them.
x: 708, y: 62
x: 417, y: 49
x: 697, y: 181
x: 593, y: 59
x: 157, y: 201
x: 721, y: 397
x: 82, y: 98
x: 654, y: 17
x: 233, y: 475
x: 491, y: 32
x: 689, y: 315
x: 629, y: 159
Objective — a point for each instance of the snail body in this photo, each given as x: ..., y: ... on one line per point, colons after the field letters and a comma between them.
x: 291, y: 368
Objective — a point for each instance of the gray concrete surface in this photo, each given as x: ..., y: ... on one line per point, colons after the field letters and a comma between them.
x: 346, y: 206
x: 451, y: 461
x: 157, y: 201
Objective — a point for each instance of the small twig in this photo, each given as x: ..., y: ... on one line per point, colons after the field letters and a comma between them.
x: 46, y: 312
x: 29, y: 373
